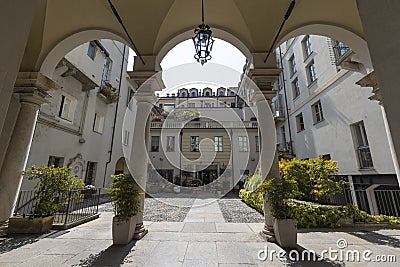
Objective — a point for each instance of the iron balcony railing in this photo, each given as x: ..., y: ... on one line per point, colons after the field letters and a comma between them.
x: 204, y: 124
x: 73, y: 206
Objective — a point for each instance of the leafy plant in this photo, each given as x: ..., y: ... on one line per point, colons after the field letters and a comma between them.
x: 50, y: 180
x: 277, y: 191
x: 313, y: 178
x: 125, y: 196
x: 109, y: 93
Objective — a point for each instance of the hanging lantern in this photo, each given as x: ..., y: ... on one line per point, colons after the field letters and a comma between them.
x: 203, y: 41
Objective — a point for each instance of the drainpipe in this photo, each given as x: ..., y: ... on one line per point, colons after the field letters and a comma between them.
x: 115, y: 118
x: 286, y: 102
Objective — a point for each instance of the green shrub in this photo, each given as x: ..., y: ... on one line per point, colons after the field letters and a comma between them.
x: 313, y: 177
x: 125, y: 196
x: 50, y: 180
x: 309, y: 214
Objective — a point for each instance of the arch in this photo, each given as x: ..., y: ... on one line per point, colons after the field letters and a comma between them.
x: 65, y: 46
x: 354, y: 41
x: 217, y: 33
x: 120, y: 166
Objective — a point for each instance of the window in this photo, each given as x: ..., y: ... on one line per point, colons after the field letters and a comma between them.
x: 155, y: 144
x: 362, y: 146
x: 257, y: 144
x: 292, y: 65
x: 98, y: 123
x: 90, y: 172
x: 300, y: 122
x: 55, y: 161
x: 183, y: 94
x: 221, y: 93
x: 191, y: 105
x: 106, y: 71
x: 311, y: 72
x: 194, y: 144
x: 170, y: 143
x: 207, y: 93
x: 307, y: 46
x: 283, y: 138
x: 232, y: 94
x: 218, y: 143
x: 67, y: 108
x: 326, y: 157
x: 207, y: 105
x: 318, y: 116
x: 295, y: 88
x: 126, y: 138
x: 131, y: 93
x: 193, y: 94
x: 233, y: 104
x: 243, y: 146
x: 91, y: 50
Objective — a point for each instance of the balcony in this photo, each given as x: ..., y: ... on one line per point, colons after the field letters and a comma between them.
x: 204, y: 125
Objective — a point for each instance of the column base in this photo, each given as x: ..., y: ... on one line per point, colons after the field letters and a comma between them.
x: 140, y: 232
x: 268, y: 233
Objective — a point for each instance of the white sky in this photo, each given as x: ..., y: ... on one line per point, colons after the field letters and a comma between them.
x: 223, y: 53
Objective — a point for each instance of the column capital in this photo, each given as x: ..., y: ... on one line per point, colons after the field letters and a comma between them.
x: 33, y: 87
x: 264, y: 78
x: 146, y: 96
x: 35, y: 80
x: 151, y: 79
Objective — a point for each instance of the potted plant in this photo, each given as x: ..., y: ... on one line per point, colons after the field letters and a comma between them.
x: 277, y: 192
x: 127, y: 203
x: 50, y: 182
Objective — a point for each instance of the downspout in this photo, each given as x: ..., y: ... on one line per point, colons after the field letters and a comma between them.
x: 115, y: 118
x: 286, y: 102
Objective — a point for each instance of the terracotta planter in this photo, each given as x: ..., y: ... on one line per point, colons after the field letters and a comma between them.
x: 285, y: 233
x: 123, y: 231
x: 20, y: 225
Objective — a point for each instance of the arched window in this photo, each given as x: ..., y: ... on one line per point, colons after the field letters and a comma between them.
x: 221, y: 93
x: 183, y: 94
x: 193, y: 94
x: 232, y: 93
x: 207, y: 93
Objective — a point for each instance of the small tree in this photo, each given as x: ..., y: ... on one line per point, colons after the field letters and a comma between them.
x: 125, y: 195
x: 50, y: 180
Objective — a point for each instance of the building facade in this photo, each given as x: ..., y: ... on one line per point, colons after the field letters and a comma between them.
x: 319, y: 110
x: 81, y: 125
x: 201, y: 135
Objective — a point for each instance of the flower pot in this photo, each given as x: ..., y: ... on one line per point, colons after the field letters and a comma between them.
x: 285, y: 233
x: 21, y: 225
x: 123, y: 231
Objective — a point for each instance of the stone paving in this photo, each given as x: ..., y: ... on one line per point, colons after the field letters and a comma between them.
x: 202, y: 239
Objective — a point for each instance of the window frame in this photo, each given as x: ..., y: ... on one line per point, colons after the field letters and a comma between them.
x: 100, y: 127
x: 295, y: 88
x: 311, y: 72
x: 317, y: 112
x: 300, y: 122
x: 218, y: 143
x: 170, y: 147
x: 194, y: 143
x: 362, y: 148
x: 307, y: 48
x: 92, y: 49
x: 292, y: 65
x: 243, y: 144
x: 155, y: 147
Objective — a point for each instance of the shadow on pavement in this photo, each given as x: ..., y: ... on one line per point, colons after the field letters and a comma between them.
x: 114, y: 255
x: 378, y: 239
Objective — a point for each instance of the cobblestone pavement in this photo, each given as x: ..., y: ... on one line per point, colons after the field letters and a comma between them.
x: 235, y: 210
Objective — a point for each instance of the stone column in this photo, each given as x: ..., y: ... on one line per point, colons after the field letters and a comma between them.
x: 31, y: 89
x: 383, y: 43
x: 265, y: 79
x: 15, y: 24
x: 147, y: 82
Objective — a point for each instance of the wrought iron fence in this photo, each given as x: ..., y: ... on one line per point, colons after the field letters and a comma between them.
x: 376, y: 201
x: 73, y: 206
